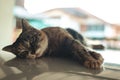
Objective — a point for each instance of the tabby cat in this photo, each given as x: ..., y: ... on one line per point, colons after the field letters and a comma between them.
x: 55, y: 42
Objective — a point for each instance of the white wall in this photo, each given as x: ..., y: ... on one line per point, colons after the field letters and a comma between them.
x: 6, y: 21
x: 109, y: 32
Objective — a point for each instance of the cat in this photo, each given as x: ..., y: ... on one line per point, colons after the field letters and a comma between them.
x: 53, y: 42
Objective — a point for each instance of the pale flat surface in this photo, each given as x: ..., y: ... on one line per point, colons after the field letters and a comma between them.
x: 52, y: 69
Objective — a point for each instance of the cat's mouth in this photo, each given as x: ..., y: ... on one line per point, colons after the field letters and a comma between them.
x: 31, y: 56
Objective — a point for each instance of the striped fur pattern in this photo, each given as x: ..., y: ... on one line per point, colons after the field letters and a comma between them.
x: 54, y: 42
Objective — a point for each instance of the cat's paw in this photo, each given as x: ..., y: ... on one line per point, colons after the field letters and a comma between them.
x: 97, y: 56
x: 93, y: 64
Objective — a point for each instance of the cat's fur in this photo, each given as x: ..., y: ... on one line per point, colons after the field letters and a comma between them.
x: 77, y: 36
x: 52, y: 41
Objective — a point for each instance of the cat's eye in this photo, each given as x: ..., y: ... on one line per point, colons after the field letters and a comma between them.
x: 23, y: 54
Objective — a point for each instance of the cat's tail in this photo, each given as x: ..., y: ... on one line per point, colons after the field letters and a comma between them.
x: 82, y: 39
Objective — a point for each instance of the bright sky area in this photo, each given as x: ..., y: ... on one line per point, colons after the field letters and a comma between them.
x: 107, y: 10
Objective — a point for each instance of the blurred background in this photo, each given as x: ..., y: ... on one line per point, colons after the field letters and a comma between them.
x: 97, y: 21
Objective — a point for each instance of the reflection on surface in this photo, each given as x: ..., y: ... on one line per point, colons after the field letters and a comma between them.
x: 26, y: 69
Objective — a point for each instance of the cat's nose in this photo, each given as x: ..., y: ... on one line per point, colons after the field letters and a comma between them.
x: 31, y: 56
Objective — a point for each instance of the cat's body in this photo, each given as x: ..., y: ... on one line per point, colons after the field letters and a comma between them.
x: 53, y: 41
x: 57, y: 41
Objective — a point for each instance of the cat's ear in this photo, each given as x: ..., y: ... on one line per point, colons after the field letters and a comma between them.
x: 9, y: 48
x: 25, y: 25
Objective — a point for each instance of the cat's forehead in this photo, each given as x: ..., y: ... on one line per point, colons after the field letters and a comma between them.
x: 31, y: 31
x: 28, y: 34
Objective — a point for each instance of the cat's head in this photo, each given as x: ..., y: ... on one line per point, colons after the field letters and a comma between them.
x: 31, y: 43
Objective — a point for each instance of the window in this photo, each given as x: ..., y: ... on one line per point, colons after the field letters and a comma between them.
x: 95, y: 27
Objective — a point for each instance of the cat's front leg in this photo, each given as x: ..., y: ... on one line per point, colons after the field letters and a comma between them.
x: 88, y: 58
x: 96, y: 55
